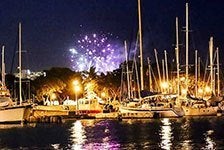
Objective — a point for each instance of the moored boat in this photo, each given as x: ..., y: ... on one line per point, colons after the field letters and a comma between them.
x: 10, y: 112
x: 88, y: 106
x: 202, y: 111
x: 15, y: 114
x: 200, y: 107
x: 158, y: 105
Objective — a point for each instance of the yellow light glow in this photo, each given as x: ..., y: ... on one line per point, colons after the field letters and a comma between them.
x: 77, y: 135
x: 207, y: 89
x: 75, y: 82
x: 166, y: 134
x: 103, y: 94
x: 77, y: 89
x: 53, y: 96
x: 200, y: 91
x: 182, y: 78
x: 76, y: 86
x: 89, y: 85
x: 184, y: 91
x: 164, y: 85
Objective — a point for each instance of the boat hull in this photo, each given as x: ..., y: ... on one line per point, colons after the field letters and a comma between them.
x: 14, y: 114
x: 150, y: 113
x: 206, y: 111
x: 126, y: 112
x: 169, y: 112
x: 52, y: 110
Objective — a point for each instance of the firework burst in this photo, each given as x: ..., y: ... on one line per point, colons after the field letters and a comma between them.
x: 99, y: 51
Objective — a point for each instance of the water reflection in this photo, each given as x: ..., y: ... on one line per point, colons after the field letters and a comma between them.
x: 210, y: 144
x: 182, y: 133
x: 166, y: 134
x: 186, y: 144
x: 86, y: 134
x: 78, y: 135
x: 55, y: 146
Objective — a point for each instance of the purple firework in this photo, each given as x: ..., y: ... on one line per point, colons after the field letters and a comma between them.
x: 99, y: 51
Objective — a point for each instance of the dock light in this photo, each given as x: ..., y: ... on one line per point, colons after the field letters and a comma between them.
x: 182, y: 79
x: 53, y: 96
x: 184, y: 91
x: 207, y: 89
x: 164, y: 85
x: 75, y: 82
x: 103, y: 94
x: 76, y: 86
x: 200, y: 91
x: 77, y: 89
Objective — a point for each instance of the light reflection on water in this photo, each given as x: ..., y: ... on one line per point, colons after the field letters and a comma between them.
x: 166, y: 134
x: 210, y: 144
x: 78, y: 135
x: 185, y: 128
x: 80, y: 140
x: 181, y: 133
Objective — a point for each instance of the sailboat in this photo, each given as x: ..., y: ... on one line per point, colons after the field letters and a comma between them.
x: 194, y: 106
x: 200, y: 107
x: 11, y: 112
x: 5, y: 99
x: 156, y: 105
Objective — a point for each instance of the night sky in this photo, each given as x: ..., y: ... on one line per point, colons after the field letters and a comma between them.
x: 50, y: 27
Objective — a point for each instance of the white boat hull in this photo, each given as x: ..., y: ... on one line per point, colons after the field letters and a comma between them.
x: 150, y: 113
x: 127, y: 112
x: 52, y: 110
x: 205, y: 111
x: 169, y: 112
x: 14, y: 114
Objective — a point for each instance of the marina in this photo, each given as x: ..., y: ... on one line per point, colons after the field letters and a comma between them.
x: 164, y: 102
x: 105, y: 75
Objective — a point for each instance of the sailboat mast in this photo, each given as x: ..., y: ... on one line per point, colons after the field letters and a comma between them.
x: 137, y: 78
x: 196, y: 73
x: 127, y: 70
x: 218, y: 77
x: 20, y: 63
x: 199, y: 69
x: 158, y: 69
x: 150, y: 74
x: 166, y: 66
x: 164, y: 78
x: 140, y: 44
x: 3, y: 66
x: 177, y: 59
x: 211, y: 62
x: 163, y: 66
x: 187, y: 43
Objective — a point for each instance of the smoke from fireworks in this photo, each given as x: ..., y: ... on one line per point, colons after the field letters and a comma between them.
x: 100, y: 51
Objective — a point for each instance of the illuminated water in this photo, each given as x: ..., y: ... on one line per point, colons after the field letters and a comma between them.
x: 181, y: 133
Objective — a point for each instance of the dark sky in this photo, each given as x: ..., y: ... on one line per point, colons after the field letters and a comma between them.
x: 50, y: 26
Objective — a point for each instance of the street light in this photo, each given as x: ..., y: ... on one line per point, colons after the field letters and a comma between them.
x: 76, y: 90
x: 164, y: 86
x: 103, y: 94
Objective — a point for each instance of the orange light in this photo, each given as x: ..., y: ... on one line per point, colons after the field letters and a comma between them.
x: 164, y: 85
x: 75, y: 82
x: 207, y: 89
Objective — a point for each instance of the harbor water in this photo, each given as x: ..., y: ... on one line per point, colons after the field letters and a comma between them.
x: 176, y: 133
